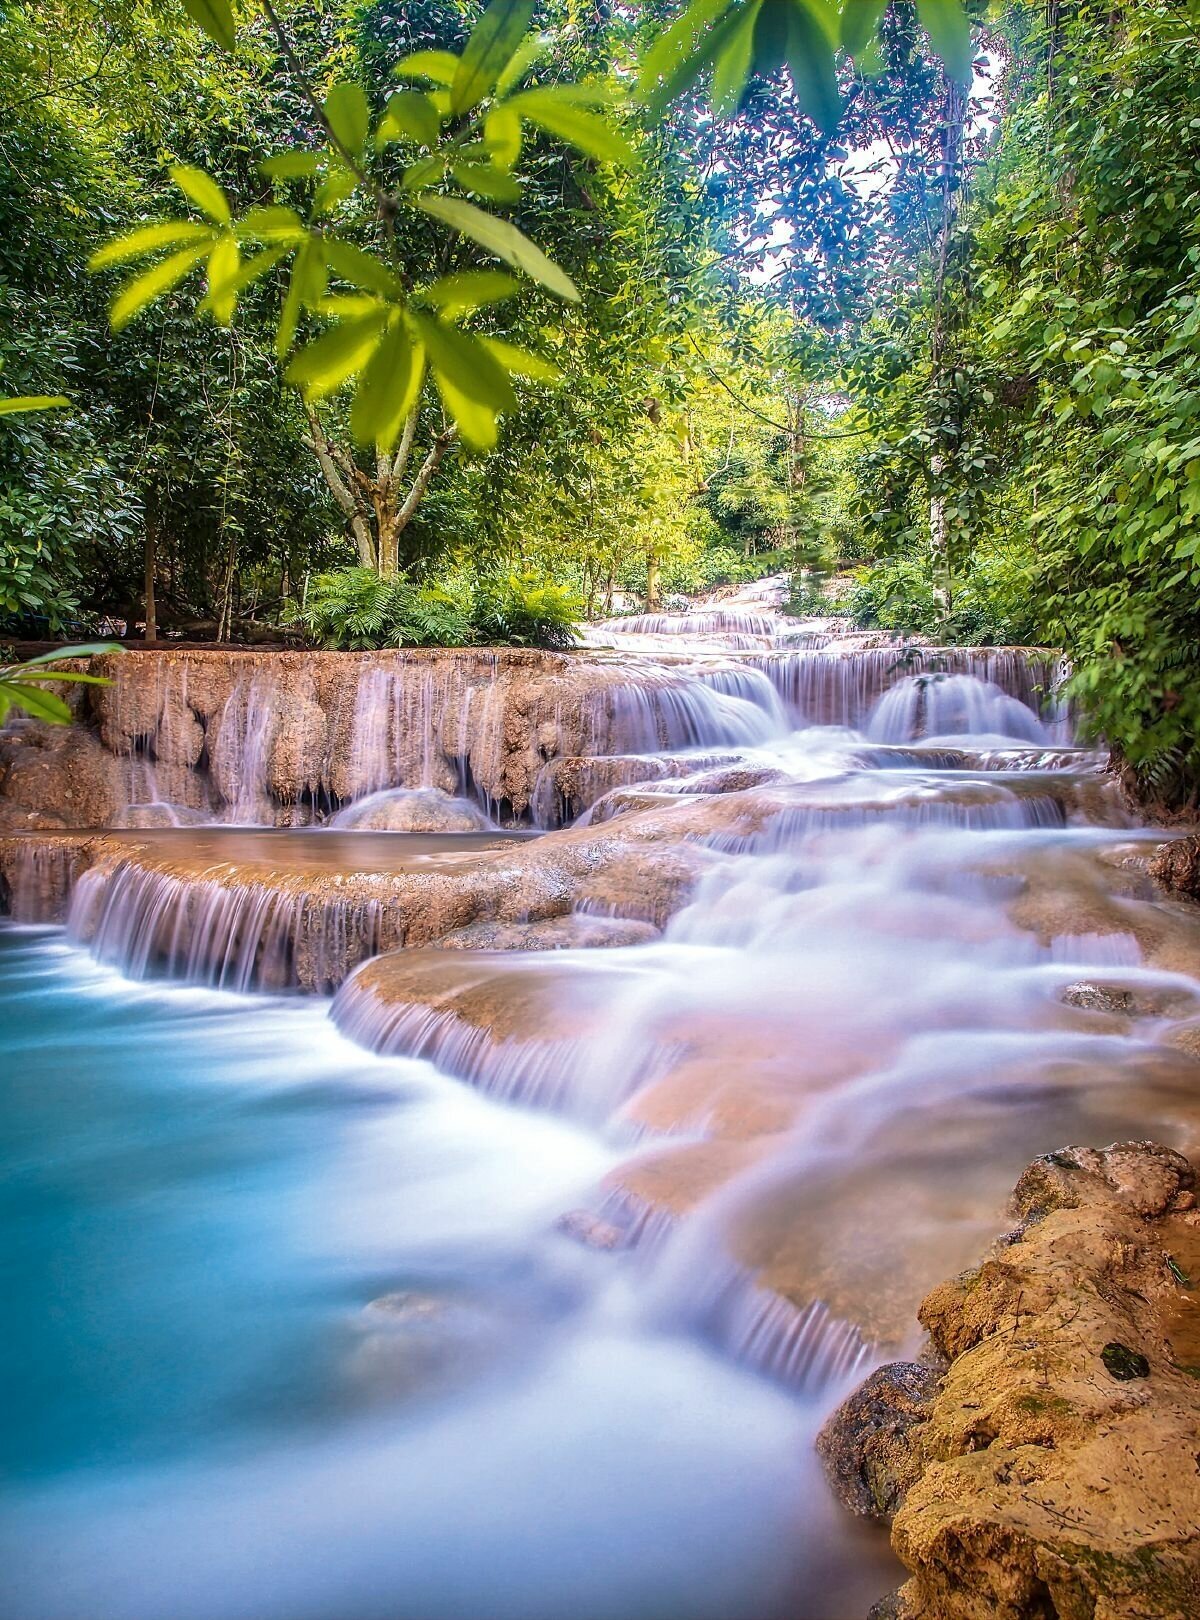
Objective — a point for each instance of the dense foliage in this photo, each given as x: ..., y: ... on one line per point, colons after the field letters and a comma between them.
x: 478, y: 335
x: 1043, y: 388
x: 361, y: 608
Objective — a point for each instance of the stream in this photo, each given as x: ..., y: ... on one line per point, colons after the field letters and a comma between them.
x: 294, y: 1327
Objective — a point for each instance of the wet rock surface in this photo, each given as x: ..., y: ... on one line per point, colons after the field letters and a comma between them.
x: 1177, y: 866
x: 1052, y: 1472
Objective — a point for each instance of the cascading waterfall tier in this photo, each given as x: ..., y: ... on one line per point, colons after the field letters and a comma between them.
x: 299, y: 739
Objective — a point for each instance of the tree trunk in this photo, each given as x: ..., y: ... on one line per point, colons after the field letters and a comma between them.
x: 151, y: 635
x: 653, y: 581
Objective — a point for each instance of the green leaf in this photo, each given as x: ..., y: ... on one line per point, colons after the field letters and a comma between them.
x: 470, y: 289
x: 305, y: 287
x: 484, y: 181
x: 88, y: 649
x: 203, y: 190
x: 438, y: 67
x: 488, y: 52
x: 223, y: 293
x: 361, y: 269
x: 152, y: 283
x: 731, y: 70
x: 860, y: 20
x: 477, y: 422
x: 949, y: 30
x: 338, y: 184
x: 348, y: 116
x: 388, y: 389
x: 498, y: 236
x: 148, y: 239
x: 465, y: 362
x: 811, y: 64
x: 224, y: 263
x: 410, y: 115
x: 216, y: 19
x: 529, y: 52
x: 426, y: 171
x: 291, y: 166
x: 520, y: 362
x: 271, y: 225
x: 673, y: 53
x: 502, y: 136
x: 325, y: 365
x: 32, y: 402
x: 583, y: 130
x: 41, y: 705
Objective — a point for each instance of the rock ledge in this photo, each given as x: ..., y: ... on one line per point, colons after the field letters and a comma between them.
x: 1052, y: 1470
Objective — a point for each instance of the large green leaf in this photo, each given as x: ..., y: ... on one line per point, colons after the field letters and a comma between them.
x: 224, y: 264
x: 409, y: 114
x: 306, y: 288
x: 148, y: 239
x: 528, y: 53
x: 388, y: 388
x: 470, y: 289
x: 949, y: 29
x: 497, y: 185
x: 503, y: 239
x: 348, y: 116
x: 361, y: 269
x: 464, y: 361
x: 811, y: 64
x: 26, y: 403
x: 203, y: 190
x: 476, y: 422
x: 271, y: 225
x: 584, y: 130
x: 333, y: 359
x: 493, y: 41
x: 502, y: 136
x: 731, y: 70
x: 226, y: 284
x: 860, y: 19
x: 438, y: 67
x: 216, y: 19
x: 291, y: 166
x: 41, y: 705
x: 520, y: 362
x: 152, y: 283
x: 677, y: 47
x: 87, y: 649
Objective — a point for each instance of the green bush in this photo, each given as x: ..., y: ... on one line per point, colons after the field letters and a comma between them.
x: 359, y: 609
x: 990, y: 607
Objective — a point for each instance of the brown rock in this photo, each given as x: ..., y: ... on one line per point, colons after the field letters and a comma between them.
x: 1177, y: 866
x: 866, y: 1446
x: 1057, y: 1462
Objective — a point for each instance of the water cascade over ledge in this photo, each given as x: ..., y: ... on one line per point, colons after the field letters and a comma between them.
x: 693, y: 1009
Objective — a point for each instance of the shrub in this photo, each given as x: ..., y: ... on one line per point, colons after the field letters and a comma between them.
x: 359, y: 609
x: 523, y: 611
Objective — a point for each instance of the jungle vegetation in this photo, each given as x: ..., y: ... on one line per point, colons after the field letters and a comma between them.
x: 436, y: 322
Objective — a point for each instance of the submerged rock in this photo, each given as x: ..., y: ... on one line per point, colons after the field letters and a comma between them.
x: 1053, y: 1472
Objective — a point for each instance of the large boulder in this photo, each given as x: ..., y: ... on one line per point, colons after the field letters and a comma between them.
x: 1053, y: 1472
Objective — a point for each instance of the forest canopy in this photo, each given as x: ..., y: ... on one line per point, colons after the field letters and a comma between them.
x: 436, y: 322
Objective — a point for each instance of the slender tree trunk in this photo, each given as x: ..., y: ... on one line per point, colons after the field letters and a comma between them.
x: 953, y: 123
x: 151, y: 635
x: 653, y: 581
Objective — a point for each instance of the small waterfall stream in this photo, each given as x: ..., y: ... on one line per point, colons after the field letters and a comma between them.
x: 516, y: 1281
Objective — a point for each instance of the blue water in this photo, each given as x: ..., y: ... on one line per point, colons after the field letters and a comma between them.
x: 207, y: 1418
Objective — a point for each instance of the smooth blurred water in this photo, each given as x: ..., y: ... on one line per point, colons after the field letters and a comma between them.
x: 206, y: 1419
